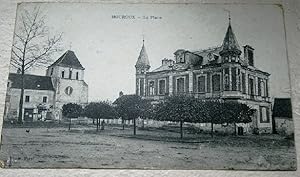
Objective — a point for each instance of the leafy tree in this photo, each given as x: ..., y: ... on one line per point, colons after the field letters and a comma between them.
x: 100, y: 110
x: 71, y: 110
x: 130, y: 107
x: 220, y: 112
x: 177, y: 108
x: 146, y: 110
x: 33, y: 46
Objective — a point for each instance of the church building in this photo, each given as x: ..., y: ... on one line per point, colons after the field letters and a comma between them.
x: 44, y: 96
x: 226, y: 73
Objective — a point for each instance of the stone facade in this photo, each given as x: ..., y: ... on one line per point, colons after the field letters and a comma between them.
x: 44, y: 96
x: 220, y: 73
x: 68, y: 80
x: 39, y: 96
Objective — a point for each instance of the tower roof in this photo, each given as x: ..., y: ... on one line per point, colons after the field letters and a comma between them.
x: 230, y: 42
x: 143, y: 58
x: 68, y: 59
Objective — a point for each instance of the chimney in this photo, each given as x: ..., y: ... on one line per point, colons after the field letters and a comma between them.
x: 167, y: 62
x: 121, y: 93
x: 249, y: 55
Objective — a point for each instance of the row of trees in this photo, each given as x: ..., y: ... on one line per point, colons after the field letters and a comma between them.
x: 175, y: 108
x: 189, y: 109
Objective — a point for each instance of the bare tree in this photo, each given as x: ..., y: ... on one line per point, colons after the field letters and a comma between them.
x: 32, y: 46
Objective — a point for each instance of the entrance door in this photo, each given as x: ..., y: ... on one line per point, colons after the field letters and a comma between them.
x: 28, y: 115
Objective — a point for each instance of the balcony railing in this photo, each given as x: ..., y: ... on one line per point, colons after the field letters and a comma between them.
x: 203, y: 95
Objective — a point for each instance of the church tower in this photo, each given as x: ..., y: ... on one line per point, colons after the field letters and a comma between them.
x: 67, y: 75
x: 230, y: 48
x: 142, y: 66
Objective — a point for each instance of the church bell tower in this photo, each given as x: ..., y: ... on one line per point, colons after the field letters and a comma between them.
x: 142, y: 66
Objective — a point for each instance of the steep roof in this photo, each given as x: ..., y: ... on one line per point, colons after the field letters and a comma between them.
x: 68, y: 59
x: 32, y: 82
x: 143, y: 58
x: 230, y: 42
x: 282, y: 107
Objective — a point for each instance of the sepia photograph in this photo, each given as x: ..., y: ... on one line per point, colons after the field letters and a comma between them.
x: 149, y: 86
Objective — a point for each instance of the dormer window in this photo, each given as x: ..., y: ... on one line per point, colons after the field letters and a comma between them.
x: 216, y: 57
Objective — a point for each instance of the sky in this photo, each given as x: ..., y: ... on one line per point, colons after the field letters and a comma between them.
x: 108, y: 47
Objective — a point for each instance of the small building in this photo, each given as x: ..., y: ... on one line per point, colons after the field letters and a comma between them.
x: 282, y: 115
x: 39, y: 95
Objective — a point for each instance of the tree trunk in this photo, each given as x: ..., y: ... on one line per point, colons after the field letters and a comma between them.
x: 235, y: 129
x: 102, y: 125
x: 212, y: 129
x: 20, y: 120
x: 181, y: 129
x: 134, y: 126
x: 97, y: 122
x: 123, y: 124
x: 143, y: 123
x: 93, y: 121
x: 70, y: 124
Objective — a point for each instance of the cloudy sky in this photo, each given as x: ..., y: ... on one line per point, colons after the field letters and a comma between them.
x: 108, y: 48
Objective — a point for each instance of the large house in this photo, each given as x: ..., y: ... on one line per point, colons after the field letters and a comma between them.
x: 219, y: 73
x: 44, y: 96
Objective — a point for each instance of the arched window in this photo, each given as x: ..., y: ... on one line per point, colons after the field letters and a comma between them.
x: 63, y: 74
x: 77, y: 75
x: 70, y: 74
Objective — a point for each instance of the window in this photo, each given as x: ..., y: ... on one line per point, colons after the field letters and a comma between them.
x: 239, y: 80
x: 208, y: 83
x: 69, y: 90
x: 77, y: 75
x: 137, y: 86
x: 45, y: 99
x: 151, y: 88
x: 263, y: 93
x: 216, y: 83
x: 180, y: 85
x: 226, y: 79
x: 70, y: 75
x: 51, y: 73
x: 162, y: 87
x: 201, y: 84
x: 251, y: 86
x: 264, y: 115
x: 141, y: 87
x: 233, y: 76
x: 27, y: 98
x: 266, y: 88
x: 63, y: 74
x: 259, y: 87
x: 243, y: 83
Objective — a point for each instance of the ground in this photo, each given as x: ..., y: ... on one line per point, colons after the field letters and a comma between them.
x: 151, y: 148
